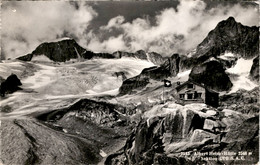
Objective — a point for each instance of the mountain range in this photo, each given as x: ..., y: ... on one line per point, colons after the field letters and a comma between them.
x: 81, y: 107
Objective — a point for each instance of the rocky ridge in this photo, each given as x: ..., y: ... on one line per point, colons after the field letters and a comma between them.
x: 254, y: 72
x: 67, y: 49
x: 169, y: 68
x: 211, y: 74
x: 163, y: 139
x: 228, y: 36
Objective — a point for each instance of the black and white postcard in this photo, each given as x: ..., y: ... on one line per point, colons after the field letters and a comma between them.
x: 129, y: 82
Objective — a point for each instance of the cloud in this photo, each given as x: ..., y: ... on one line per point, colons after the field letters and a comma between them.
x: 176, y: 30
x: 27, y: 24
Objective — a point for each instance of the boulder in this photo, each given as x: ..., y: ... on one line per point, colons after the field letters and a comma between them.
x: 201, y: 135
x: 212, y: 75
x: 244, y: 131
x: 10, y: 85
x: 215, y: 126
x: 242, y: 101
x: 155, y: 58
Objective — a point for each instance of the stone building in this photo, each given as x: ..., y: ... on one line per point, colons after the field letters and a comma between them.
x: 191, y: 92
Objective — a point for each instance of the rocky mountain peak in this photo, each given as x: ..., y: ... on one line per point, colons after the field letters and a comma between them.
x: 141, y: 54
x: 59, y: 51
x: 231, y: 36
x: 172, y: 64
x: 228, y: 36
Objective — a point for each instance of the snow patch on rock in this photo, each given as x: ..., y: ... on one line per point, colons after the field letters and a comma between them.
x: 241, y: 80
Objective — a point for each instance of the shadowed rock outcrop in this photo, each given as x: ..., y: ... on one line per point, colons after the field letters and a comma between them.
x: 156, y: 58
x: 60, y: 51
x: 254, y: 72
x: 161, y: 139
x: 152, y: 135
x: 212, y: 75
x: 10, y: 85
x: 169, y: 68
x: 246, y: 102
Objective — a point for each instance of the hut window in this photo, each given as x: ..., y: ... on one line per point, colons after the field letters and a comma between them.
x: 190, y: 85
x: 197, y: 95
x: 182, y: 96
x: 190, y: 95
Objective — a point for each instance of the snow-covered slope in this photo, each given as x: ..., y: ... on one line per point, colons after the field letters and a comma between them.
x: 52, y: 86
x: 239, y: 75
x: 227, y: 56
x: 9, y: 67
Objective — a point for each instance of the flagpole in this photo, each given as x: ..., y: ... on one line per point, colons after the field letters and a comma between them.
x: 163, y: 94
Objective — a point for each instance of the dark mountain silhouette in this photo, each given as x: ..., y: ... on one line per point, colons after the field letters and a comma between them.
x: 68, y: 49
x: 57, y: 51
x: 212, y: 75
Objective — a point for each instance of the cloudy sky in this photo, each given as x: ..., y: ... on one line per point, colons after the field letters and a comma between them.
x: 163, y: 27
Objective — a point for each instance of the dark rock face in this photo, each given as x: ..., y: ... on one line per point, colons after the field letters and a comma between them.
x: 120, y: 54
x: 144, y: 139
x: 1, y: 79
x: 150, y: 135
x: 159, y: 140
x: 254, y: 72
x: 60, y: 51
x: 156, y: 58
x: 10, y: 85
x: 169, y: 68
x: 140, y: 54
x: 231, y: 36
x: 242, y: 101
x: 65, y: 50
x: 212, y: 75
x: 172, y: 64
x: 90, y: 55
x: 228, y: 36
